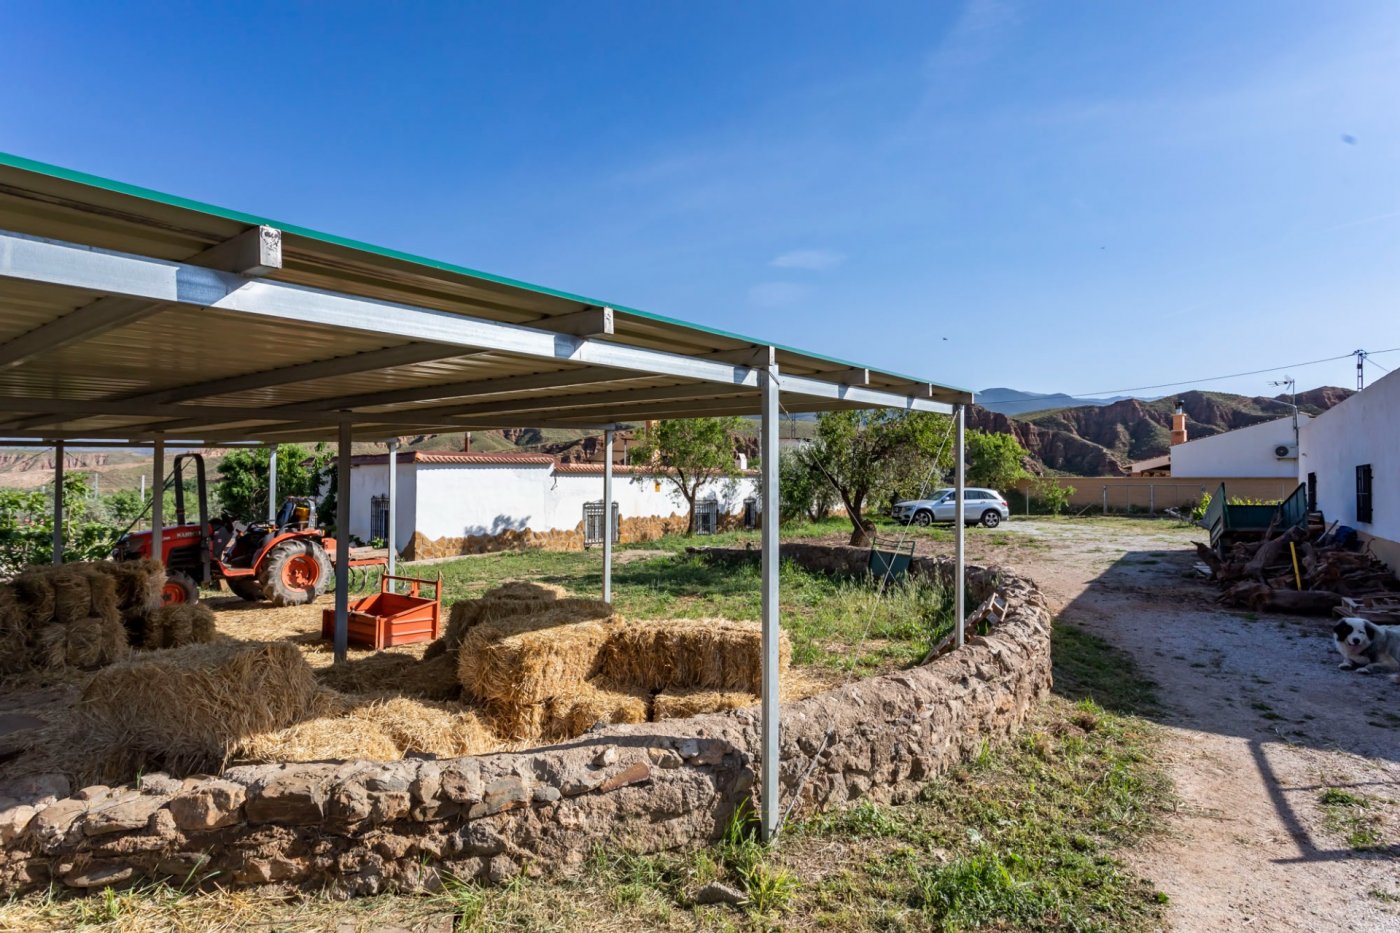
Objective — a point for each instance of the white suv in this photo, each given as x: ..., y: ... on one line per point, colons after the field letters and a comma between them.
x: 979, y: 505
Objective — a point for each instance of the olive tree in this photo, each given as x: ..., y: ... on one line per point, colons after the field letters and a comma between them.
x: 687, y: 453
x: 868, y: 456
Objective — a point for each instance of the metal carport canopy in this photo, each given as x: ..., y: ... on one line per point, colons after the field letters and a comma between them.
x: 131, y: 315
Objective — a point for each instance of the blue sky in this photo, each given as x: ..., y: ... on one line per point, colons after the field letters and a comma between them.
x: 1081, y: 197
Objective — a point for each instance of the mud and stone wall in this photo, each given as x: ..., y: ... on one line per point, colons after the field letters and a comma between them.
x: 631, y: 530
x: 366, y: 827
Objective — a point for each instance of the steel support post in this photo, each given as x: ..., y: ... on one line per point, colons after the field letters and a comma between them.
x: 768, y: 452
x: 157, y: 498
x: 342, y: 544
x: 58, y: 502
x: 389, y: 537
x: 607, y: 514
x: 272, y: 483
x: 959, y: 525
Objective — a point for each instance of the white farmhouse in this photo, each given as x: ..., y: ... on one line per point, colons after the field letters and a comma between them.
x: 1350, y: 458
x: 467, y: 503
x: 1268, y: 449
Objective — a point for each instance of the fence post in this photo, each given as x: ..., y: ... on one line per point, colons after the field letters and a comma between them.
x: 1151, y: 499
x: 1105, y: 500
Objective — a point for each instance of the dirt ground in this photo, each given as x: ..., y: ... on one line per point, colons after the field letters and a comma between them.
x: 1259, y: 725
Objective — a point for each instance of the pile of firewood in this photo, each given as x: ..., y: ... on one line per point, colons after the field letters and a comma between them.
x: 1260, y: 575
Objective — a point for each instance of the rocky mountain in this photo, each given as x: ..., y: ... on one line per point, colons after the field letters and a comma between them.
x: 1102, y: 440
x: 1015, y: 402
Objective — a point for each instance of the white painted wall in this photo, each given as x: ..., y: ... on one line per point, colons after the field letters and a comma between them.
x: 1363, y: 429
x: 370, y: 480
x: 461, y: 500
x: 1241, y: 452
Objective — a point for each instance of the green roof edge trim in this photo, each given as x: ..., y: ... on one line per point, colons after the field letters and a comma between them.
x: 150, y: 194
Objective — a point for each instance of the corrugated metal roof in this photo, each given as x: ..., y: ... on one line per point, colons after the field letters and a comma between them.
x: 190, y: 370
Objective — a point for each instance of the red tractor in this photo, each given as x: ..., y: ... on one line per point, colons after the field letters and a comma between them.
x: 287, y: 561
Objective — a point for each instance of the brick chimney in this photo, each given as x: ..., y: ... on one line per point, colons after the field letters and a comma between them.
x: 1179, y: 423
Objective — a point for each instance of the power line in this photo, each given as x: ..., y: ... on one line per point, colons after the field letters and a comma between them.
x: 1185, y: 382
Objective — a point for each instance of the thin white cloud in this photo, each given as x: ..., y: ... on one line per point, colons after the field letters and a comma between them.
x: 811, y: 259
x: 777, y: 294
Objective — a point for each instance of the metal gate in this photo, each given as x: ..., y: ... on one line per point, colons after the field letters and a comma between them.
x: 593, y: 523
x: 706, y: 516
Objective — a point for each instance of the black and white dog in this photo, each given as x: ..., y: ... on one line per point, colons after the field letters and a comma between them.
x: 1367, y: 647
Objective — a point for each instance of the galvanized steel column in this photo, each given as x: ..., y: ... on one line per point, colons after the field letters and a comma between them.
x: 342, y: 544
x: 157, y: 498
x: 389, y: 537
x: 768, y: 451
x: 607, y: 515
x: 959, y: 528
x: 58, y: 502
x: 272, y: 484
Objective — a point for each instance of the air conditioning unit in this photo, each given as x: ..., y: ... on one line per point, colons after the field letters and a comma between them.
x: 1286, y: 452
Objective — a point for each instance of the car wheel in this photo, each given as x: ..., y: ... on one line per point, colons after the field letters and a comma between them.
x: 991, y: 518
x: 923, y: 518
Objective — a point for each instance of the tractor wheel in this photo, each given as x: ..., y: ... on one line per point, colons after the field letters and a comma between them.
x: 294, y: 573
x: 245, y: 588
x: 179, y: 588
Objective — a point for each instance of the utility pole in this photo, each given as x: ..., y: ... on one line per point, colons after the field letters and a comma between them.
x: 1360, y: 373
x: 1293, y: 399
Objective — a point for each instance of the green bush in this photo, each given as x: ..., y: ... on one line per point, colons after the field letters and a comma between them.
x: 1053, y: 496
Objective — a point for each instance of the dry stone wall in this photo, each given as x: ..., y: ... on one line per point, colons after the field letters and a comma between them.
x: 367, y: 827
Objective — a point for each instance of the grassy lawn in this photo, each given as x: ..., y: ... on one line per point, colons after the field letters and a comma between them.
x: 825, y: 619
x: 1023, y: 837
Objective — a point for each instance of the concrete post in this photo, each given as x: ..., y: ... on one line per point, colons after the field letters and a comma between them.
x: 342, y: 544
x: 770, y: 715
x: 607, y: 514
x: 58, y: 502
x: 959, y: 525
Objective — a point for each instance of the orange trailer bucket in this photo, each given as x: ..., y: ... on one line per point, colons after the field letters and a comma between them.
x: 387, y: 618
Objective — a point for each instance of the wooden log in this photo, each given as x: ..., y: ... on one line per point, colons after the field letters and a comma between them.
x: 1271, y: 552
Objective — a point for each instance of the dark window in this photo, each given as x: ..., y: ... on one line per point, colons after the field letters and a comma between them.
x: 379, y: 517
x: 1312, y: 492
x: 1363, y: 493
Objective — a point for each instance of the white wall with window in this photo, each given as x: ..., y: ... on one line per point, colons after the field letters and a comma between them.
x: 1351, y: 455
x: 463, y: 495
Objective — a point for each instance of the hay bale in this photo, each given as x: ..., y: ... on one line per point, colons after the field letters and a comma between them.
x: 324, y: 738
x: 139, y: 584
x: 571, y: 715
x: 682, y: 704
x: 72, y: 596
x: 441, y: 729
x: 103, y: 587
x: 710, y: 654
x: 178, y: 625
x: 185, y: 709
x: 391, y: 673
x: 36, y: 596
x: 525, y: 659
x: 14, y: 634
x: 85, y: 644
x: 383, y: 729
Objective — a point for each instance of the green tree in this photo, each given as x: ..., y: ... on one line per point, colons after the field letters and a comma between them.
x: 26, y: 525
x: 242, y: 483
x: 688, y: 453
x: 994, y: 460
x: 804, y: 494
x: 1053, y: 495
x: 868, y: 456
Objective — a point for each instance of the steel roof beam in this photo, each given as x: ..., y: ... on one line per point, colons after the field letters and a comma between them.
x: 57, y: 263
x: 252, y: 252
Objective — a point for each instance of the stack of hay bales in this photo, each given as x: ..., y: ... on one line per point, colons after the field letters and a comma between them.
x: 528, y: 670
x: 187, y: 708
x: 403, y: 674
x: 69, y: 616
